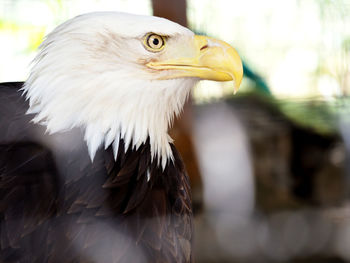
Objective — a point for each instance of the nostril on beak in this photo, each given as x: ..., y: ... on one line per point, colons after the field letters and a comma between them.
x: 204, y: 47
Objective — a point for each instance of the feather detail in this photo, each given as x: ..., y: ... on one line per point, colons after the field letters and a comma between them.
x: 148, y: 174
x: 94, y: 138
x: 112, y: 134
x: 116, y: 147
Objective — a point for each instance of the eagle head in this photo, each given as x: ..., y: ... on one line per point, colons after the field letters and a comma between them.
x: 122, y: 76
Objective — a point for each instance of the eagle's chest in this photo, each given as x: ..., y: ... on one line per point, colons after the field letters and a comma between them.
x: 130, y: 206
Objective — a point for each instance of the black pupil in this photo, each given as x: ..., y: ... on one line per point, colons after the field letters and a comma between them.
x: 155, y: 41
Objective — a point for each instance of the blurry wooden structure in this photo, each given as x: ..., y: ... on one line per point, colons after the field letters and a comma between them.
x: 182, y: 128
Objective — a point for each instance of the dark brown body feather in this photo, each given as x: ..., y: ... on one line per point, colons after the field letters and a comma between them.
x: 57, y: 206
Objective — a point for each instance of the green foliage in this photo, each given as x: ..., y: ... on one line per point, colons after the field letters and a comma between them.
x: 315, y: 114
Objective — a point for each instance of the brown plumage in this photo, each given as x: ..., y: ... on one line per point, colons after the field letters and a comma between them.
x: 58, y: 206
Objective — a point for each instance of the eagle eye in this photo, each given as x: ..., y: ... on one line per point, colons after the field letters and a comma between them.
x: 154, y: 42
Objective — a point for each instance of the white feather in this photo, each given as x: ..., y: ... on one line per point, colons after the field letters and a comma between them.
x: 148, y: 174
x: 116, y: 147
x: 110, y: 137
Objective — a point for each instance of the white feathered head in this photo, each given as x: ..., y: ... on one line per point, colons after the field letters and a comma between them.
x: 119, y: 75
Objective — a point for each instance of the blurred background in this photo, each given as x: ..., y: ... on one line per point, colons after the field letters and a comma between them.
x: 269, y: 166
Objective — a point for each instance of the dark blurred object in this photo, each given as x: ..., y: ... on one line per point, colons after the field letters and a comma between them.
x: 315, y: 166
x: 294, y: 165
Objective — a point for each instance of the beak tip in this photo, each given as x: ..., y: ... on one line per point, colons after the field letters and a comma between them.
x: 237, y: 82
x: 235, y: 89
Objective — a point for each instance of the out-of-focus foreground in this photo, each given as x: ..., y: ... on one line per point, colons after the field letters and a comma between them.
x: 272, y: 180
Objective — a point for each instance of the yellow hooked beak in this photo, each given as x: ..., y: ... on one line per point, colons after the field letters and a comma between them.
x: 213, y: 60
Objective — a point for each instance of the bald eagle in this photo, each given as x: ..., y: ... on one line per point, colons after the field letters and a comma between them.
x: 88, y: 172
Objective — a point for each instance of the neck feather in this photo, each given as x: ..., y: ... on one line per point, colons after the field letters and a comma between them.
x: 108, y: 112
